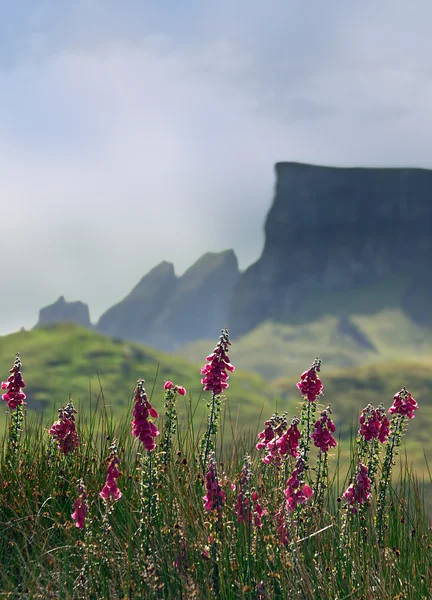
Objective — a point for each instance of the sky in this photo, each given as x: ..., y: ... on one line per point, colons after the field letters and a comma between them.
x: 146, y: 130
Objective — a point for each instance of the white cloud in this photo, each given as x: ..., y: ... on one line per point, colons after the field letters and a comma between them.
x: 117, y: 155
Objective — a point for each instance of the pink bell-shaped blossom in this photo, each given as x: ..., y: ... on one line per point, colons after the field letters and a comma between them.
x: 215, y: 496
x: 80, y: 506
x: 403, y: 404
x: 322, y: 433
x: 288, y: 443
x: 359, y: 491
x: 310, y: 385
x: 64, y: 430
x: 110, y: 491
x: 247, y: 508
x: 296, y: 492
x: 14, y: 396
x: 214, y: 373
x: 168, y: 385
x: 374, y: 424
x: 142, y: 427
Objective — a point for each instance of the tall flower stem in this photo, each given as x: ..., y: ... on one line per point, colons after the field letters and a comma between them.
x: 14, y: 398
x: 214, y: 379
x: 209, y: 444
x: 15, y: 429
x: 384, y: 482
x: 320, y: 483
x: 404, y: 405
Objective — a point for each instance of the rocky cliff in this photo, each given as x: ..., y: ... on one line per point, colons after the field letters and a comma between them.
x: 340, y: 240
x: 131, y: 318
x: 165, y: 311
x: 63, y: 311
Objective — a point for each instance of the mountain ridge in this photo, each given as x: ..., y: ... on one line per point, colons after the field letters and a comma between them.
x: 338, y: 241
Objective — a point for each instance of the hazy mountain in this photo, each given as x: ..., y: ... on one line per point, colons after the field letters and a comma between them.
x: 340, y: 241
x: 165, y: 311
x: 62, y: 311
x: 132, y: 317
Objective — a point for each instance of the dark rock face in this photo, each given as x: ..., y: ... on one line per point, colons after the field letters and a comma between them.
x: 131, y: 318
x: 348, y: 329
x: 199, y: 306
x: 331, y: 231
x: 62, y: 311
x: 165, y: 311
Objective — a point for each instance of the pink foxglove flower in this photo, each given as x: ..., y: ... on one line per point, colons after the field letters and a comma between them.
x: 296, y: 492
x: 374, y: 424
x: 322, y: 434
x: 279, y: 439
x: 247, y: 508
x: 265, y: 436
x: 110, y: 491
x: 288, y: 443
x: 215, y: 372
x: 259, y: 511
x: 282, y: 526
x: 64, y: 430
x: 403, y: 404
x: 80, y: 506
x: 310, y: 385
x: 359, y: 491
x: 14, y: 395
x: 176, y: 388
x: 142, y: 427
x: 215, y: 496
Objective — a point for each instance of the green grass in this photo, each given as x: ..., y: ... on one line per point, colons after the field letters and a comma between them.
x: 63, y: 361
x: 161, y: 544
x: 350, y: 390
x: 277, y: 350
x: 66, y: 360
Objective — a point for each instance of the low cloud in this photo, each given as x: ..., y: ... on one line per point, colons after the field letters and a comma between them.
x: 120, y: 152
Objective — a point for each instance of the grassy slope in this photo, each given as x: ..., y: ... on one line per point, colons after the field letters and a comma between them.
x: 64, y: 360
x: 349, y: 391
x: 274, y: 350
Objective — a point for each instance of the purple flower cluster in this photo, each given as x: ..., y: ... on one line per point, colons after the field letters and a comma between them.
x: 403, y: 404
x: 295, y: 493
x: 282, y: 526
x: 310, y: 385
x: 322, y: 434
x: 374, y: 424
x: 168, y: 385
x: 64, y: 430
x: 278, y: 439
x: 80, y: 506
x: 215, y: 496
x: 110, y: 491
x: 247, y: 508
x: 215, y: 372
x: 142, y: 428
x: 359, y: 491
x: 14, y: 396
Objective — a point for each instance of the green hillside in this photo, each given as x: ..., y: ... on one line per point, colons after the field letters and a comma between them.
x: 275, y: 350
x: 350, y: 390
x: 66, y: 360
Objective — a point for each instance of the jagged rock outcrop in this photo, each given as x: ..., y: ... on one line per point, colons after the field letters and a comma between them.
x: 347, y: 329
x: 338, y: 238
x: 131, y: 318
x: 62, y: 311
x: 165, y: 311
x: 199, y: 306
